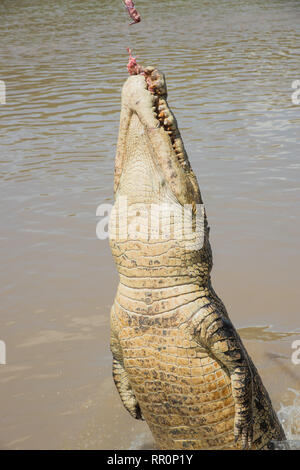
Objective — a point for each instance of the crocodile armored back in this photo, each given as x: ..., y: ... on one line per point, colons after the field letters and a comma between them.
x: 178, y: 361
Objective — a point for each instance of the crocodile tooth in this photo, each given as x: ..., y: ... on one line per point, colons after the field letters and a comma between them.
x: 180, y: 156
x: 162, y: 103
x: 176, y: 146
x: 149, y: 69
x: 169, y: 122
x: 162, y: 108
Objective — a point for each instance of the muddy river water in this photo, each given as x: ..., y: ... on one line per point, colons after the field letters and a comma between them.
x: 230, y: 67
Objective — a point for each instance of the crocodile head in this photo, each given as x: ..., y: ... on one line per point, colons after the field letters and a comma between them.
x: 151, y: 161
x: 152, y: 170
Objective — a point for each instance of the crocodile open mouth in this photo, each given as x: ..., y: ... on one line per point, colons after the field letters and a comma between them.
x: 157, y: 86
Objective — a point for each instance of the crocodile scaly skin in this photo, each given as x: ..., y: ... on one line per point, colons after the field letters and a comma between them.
x: 178, y: 361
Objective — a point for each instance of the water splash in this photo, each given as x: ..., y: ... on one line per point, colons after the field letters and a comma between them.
x: 290, y: 417
x: 141, y: 442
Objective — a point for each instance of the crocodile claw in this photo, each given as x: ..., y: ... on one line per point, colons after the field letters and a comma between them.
x: 244, y: 431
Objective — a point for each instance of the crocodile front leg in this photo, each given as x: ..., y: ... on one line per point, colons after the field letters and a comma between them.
x: 121, y: 378
x: 217, y: 334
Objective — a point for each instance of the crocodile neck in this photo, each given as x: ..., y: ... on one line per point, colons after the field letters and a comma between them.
x: 159, y: 277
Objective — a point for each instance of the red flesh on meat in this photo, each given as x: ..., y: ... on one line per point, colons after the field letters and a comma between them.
x: 133, y: 67
x: 133, y: 13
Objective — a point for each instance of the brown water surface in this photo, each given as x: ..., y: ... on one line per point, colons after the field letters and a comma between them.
x: 230, y: 67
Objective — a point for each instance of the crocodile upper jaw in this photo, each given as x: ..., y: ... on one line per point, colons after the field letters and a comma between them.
x: 149, y: 139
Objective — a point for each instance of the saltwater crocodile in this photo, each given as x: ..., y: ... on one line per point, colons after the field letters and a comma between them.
x: 178, y: 361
